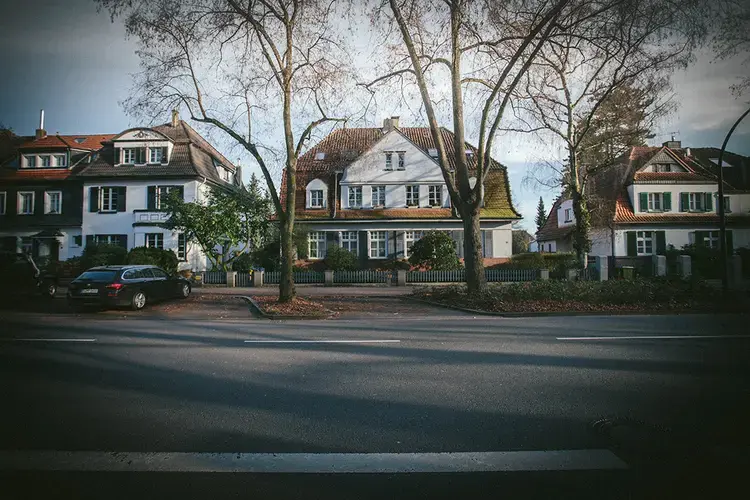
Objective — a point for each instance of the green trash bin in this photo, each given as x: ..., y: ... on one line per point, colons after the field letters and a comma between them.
x: 627, y: 272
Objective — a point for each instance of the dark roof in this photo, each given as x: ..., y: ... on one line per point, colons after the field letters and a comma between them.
x: 737, y: 176
x: 85, y: 142
x: 550, y: 230
x: 192, y: 156
x: 343, y: 146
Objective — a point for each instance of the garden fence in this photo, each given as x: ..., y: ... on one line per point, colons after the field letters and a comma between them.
x: 364, y: 276
x: 214, y: 277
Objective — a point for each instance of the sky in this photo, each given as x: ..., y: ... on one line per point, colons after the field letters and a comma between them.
x: 73, y: 62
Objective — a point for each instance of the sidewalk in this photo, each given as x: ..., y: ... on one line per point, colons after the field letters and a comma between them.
x: 311, y: 290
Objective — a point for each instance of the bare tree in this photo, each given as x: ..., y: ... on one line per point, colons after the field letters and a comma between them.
x: 221, y: 59
x: 731, y: 36
x: 600, y: 88
x: 477, y: 53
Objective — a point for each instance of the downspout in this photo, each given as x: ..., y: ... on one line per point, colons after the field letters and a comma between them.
x: 335, y: 190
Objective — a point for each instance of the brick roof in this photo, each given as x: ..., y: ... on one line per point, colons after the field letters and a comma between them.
x: 624, y: 214
x: 669, y: 178
x: 42, y: 174
x: 344, y: 146
x: 550, y: 230
x: 88, y: 142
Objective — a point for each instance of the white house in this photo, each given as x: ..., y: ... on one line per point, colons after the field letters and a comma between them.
x: 375, y: 191
x: 124, y: 187
x: 655, y: 198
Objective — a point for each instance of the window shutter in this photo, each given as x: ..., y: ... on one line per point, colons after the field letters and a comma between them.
x: 643, y: 202
x: 661, y: 242
x: 123, y: 240
x: 684, y: 202
x: 632, y: 247
x: 39, y: 202
x: 121, y: 201
x: 700, y: 236
x: 730, y: 243
x: 140, y: 155
x: 118, y: 156
x: 667, y: 201
x: 181, y: 191
x: 93, y: 199
x: 708, y: 206
x: 151, y: 199
x: 90, y: 239
x: 164, y: 159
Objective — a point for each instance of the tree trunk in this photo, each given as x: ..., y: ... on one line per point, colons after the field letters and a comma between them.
x: 287, y: 291
x: 476, y: 281
x: 581, y: 240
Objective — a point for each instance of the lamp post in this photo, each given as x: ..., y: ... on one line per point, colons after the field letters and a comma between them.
x: 722, y: 212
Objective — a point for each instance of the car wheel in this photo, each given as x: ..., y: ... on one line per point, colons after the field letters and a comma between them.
x: 138, y: 301
x: 49, y: 289
x: 184, y: 291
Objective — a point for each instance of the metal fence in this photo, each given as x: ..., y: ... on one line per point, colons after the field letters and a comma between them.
x: 364, y: 276
x: 273, y: 277
x: 244, y: 279
x: 214, y: 278
x: 499, y: 275
x: 436, y: 276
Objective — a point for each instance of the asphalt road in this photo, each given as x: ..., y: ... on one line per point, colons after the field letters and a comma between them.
x: 456, y: 384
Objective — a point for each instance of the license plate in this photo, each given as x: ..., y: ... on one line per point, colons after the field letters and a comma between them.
x: 88, y: 291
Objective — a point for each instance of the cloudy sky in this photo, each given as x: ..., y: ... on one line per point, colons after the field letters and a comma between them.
x: 70, y: 60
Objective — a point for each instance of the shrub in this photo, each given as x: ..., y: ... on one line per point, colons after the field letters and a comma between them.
x: 435, y: 251
x: 340, y: 259
x: 268, y: 257
x: 102, y: 255
x: 166, y: 259
x: 243, y: 263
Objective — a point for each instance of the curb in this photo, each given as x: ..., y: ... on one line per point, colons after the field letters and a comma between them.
x: 560, y: 314
x: 259, y: 310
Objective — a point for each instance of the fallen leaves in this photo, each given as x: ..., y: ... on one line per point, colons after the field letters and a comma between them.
x: 297, y: 307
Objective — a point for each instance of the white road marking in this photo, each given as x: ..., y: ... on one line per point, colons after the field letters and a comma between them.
x: 322, y: 341
x: 314, y: 463
x: 638, y: 337
x: 48, y: 340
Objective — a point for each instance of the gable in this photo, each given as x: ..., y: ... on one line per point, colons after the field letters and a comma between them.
x: 659, y: 161
x: 141, y: 134
x: 370, y: 166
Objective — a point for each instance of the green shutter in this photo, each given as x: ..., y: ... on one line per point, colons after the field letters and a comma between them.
x: 151, y: 198
x: 90, y: 239
x: 632, y: 247
x: 700, y: 237
x: 708, y: 206
x: 164, y: 152
x: 93, y: 199
x: 730, y: 243
x: 121, y: 200
x: 684, y: 202
x: 123, y: 240
x: 661, y: 242
x: 667, y: 201
x: 117, y: 156
x: 643, y: 202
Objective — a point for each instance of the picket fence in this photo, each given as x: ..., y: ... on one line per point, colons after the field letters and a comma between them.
x: 364, y: 276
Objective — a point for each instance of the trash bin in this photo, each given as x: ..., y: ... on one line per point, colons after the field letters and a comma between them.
x: 627, y: 272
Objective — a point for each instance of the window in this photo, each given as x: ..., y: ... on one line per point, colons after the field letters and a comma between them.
x: 159, y: 273
x: 436, y: 196
x: 107, y: 239
x: 60, y: 160
x: 389, y: 161
x: 350, y: 241
x: 161, y: 194
x: 155, y: 155
x: 316, y: 198
x: 155, y: 240
x: 355, y: 196
x: 724, y: 163
x: 316, y: 241
x: 225, y: 174
x: 412, y: 196
x: 645, y: 242
x: 711, y: 239
x: 182, y: 247
x: 108, y: 197
x: 53, y: 202
x: 77, y: 240
x: 727, y: 206
x: 568, y: 215
x: 45, y: 160
x: 663, y: 167
x: 30, y: 161
x: 378, y: 196
x: 377, y: 244
x: 695, y: 201
x: 25, y: 202
x: 3, y: 198
x: 401, y: 160
x: 655, y: 201
x: 410, y: 237
x: 128, y: 155
x: 320, y: 156
x: 433, y: 153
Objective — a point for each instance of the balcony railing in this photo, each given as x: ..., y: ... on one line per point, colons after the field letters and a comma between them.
x: 149, y: 217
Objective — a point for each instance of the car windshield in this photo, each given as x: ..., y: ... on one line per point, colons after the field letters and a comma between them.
x: 97, y: 275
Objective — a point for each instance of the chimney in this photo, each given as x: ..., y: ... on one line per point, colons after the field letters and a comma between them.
x: 389, y: 124
x: 394, y: 121
x: 687, y: 152
x: 175, y: 118
x: 40, y: 132
x: 672, y: 144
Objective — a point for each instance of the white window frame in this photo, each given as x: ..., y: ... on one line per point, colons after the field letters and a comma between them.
x: 568, y: 215
x: 378, y: 196
x: 158, y: 240
x: 63, y: 163
x: 411, y: 237
x: 410, y: 196
x: 3, y: 201
x: 30, y: 161
x: 378, y: 241
x: 108, y: 239
x: 45, y: 159
x: 160, y: 193
x: 320, y: 155
x: 48, y: 202
x: 151, y: 154
x: 727, y: 205
x: 182, y: 247
x: 350, y: 241
x: 314, y: 203
x: 433, y: 153
x: 401, y: 160
x: 128, y: 156
x: 712, y: 239
x: 695, y: 202
x: 389, y: 160
x: 435, y: 195
x: 112, y: 199
x: 21, y: 195
x: 644, y: 239
x: 655, y: 202
x: 316, y: 245
x: 73, y: 243
x: 663, y: 167
x: 355, y: 197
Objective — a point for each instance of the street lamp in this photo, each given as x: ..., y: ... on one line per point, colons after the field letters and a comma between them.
x: 722, y: 213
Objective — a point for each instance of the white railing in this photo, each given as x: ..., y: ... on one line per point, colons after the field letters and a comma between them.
x: 150, y: 217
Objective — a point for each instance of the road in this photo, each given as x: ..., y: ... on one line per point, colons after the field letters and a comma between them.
x: 387, y: 385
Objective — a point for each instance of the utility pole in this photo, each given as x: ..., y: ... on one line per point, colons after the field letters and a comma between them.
x: 722, y: 213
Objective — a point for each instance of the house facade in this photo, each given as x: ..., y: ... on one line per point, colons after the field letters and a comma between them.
x: 656, y: 198
x: 375, y: 191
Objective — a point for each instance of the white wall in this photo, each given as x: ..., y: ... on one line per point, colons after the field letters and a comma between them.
x: 675, y: 190
x: 565, y: 205
x: 677, y: 236
x: 601, y: 242
x: 502, y: 239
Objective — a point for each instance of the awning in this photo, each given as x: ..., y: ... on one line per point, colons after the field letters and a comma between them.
x: 48, y: 233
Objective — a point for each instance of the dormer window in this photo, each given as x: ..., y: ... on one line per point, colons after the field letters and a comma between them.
x: 433, y: 153
x: 663, y: 167
x: 80, y: 140
x: 128, y: 156
x: 45, y: 160
x: 60, y: 160
x: 156, y: 155
x: 469, y: 153
x: 320, y: 156
x: 316, y: 198
x: 30, y: 161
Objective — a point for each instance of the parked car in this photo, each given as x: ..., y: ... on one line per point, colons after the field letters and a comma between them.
x: 133, y: 286
x: 22, y: 277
